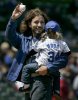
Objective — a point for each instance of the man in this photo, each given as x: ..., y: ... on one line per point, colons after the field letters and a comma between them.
x: 35, y: 20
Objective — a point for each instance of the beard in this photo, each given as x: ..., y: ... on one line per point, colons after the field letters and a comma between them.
x: 37, y: 33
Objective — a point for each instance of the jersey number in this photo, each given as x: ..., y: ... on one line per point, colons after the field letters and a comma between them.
x: 52, y: 56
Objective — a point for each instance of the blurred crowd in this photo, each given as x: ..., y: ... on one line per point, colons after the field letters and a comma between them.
x: 69, y: 79
x: 67, y: 15
x: 7, y: 53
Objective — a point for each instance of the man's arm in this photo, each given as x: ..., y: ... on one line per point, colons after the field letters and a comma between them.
x: 10, y: 32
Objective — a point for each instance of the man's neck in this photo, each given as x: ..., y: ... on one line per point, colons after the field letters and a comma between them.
x: 38, y: 36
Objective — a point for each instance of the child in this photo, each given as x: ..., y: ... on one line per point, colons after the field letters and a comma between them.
x: 48, y: 51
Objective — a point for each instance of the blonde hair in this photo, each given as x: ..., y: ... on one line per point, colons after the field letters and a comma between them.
x: 55, y: 35
x: 59, y: 36
x: 44, y: 36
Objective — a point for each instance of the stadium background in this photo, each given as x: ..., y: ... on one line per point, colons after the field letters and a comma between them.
x: 65, y: 12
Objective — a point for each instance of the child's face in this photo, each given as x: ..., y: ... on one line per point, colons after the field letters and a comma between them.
x: 23, y: 27
x: 51, y: 34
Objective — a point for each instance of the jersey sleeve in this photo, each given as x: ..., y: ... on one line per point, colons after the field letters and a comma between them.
x: 65, y: 47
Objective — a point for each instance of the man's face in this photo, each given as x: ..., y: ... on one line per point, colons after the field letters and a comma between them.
x: 37, y: 25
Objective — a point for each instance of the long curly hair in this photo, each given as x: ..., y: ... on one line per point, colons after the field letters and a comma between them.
x: 30, y: 15
x: 35, y: 12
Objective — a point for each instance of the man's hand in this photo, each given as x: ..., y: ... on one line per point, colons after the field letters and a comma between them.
x: 42, y: 70
x: 17, y: 12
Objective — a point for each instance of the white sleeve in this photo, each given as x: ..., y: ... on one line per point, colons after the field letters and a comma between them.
x: 65, y: 47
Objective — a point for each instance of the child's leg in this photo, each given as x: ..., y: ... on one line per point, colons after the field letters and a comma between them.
x: 56, y: 86
x: 27, y: 71
x: 26, y: 75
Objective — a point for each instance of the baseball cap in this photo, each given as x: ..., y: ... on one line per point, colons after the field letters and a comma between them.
x: 52, y: 25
